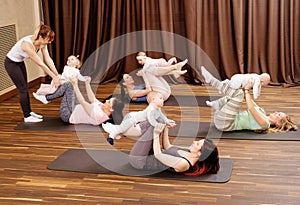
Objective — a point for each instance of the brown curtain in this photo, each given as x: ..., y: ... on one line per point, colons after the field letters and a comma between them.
x: 226, y: 36
x: 273, y: 39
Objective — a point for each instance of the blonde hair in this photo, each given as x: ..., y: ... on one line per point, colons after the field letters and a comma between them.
x: 141, y: 53
x: 79, y: 64
x: 151, y: 95
x: 286, y: 125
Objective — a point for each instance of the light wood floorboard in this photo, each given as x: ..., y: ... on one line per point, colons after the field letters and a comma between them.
x: 264, y: 172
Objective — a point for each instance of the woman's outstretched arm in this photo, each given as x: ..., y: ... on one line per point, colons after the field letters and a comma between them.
x: 133, y: 94
x: 90, y: 94
x: 178, y: 163
x: 166, y: 140
x: 259, y: 118
x: 86, y: 106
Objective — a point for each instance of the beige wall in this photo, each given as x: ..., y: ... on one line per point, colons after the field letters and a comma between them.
x: 26, y: 15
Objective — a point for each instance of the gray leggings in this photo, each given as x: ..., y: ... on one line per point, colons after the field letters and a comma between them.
x: 68, y: 103
x: 141, y: 155
x: 224, y: 118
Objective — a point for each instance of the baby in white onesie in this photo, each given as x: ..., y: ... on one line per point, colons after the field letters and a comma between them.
x: 241, y: 80
x: 70, y: 70
x: 152, y: 113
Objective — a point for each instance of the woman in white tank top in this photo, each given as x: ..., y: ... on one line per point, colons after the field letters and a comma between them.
x: 27, y: 47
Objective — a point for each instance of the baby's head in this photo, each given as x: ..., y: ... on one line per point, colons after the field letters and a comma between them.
x: 141, y: 58
x: 73, y: 61
x: 156, y: 98
x: 264, y: 79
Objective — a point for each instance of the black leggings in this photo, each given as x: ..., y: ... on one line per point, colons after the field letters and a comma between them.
x: 17, y: 73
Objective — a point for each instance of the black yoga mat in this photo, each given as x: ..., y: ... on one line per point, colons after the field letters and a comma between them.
x: 182, y: 129
x: 116, y: 162
x: 208, y: 130
x: 178, y: 100
x: 56, y: 124
x: 192, y: 101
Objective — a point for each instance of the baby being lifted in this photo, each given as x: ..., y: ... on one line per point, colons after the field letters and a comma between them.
x: 241, y: 80
x: 151, y: 113
x: 72, y: 69
x: 238, y: 81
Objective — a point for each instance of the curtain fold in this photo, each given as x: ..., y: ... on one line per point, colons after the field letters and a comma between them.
x: 228, y: 37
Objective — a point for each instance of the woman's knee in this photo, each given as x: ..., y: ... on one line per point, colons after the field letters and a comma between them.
x: 137, y: 162
x: 64, y: 118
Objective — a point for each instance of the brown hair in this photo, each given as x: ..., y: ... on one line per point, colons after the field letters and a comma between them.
x: 44, y: 31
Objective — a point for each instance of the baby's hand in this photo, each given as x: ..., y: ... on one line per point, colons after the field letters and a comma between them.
x: 140, y: 73
x: 87, y: 79
x: 56, y: 81
x: 159, y: 128
x: 172, y: 123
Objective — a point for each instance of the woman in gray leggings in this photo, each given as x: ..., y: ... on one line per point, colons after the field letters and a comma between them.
x: 201, y: 157
x: 228, y: 116
x: 75, y: 109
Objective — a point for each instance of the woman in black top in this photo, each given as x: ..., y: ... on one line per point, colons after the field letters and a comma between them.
x: 201, y: 157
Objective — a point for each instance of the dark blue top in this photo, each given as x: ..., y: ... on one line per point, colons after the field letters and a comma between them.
x: 139, y: 99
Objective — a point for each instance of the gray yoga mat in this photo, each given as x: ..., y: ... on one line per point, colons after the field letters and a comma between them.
x: 182, y: 129
x: 56, y: 124
x: 116, y: 162
x: 178, y: 100
x: 208, y: 130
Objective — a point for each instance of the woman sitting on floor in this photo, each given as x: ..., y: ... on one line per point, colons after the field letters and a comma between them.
x: 227, y: 110
x: 201, y: 157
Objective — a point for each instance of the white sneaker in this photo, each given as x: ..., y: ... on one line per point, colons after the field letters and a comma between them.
x: 208, y: 103
x: 32, y: 119
x: 36, y: 115
x: 109, y: 128
x: 118, y: 137
x: 41, y: 98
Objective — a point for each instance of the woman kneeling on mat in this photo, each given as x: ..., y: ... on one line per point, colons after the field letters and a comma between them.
x: 228, y: 117
x: 201, y: 157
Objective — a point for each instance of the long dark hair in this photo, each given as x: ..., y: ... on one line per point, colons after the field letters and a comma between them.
x: 117, y: 115
x: 208, y: 161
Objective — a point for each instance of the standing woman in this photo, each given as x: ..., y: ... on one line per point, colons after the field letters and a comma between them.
x: 27, y: 47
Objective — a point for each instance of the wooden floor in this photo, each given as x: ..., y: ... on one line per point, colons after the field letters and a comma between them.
x: 264, y: 172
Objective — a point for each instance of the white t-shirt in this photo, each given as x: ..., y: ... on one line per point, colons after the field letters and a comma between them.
x: 80, y: 116
x: 69, y: 72
x: 241, y: 80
